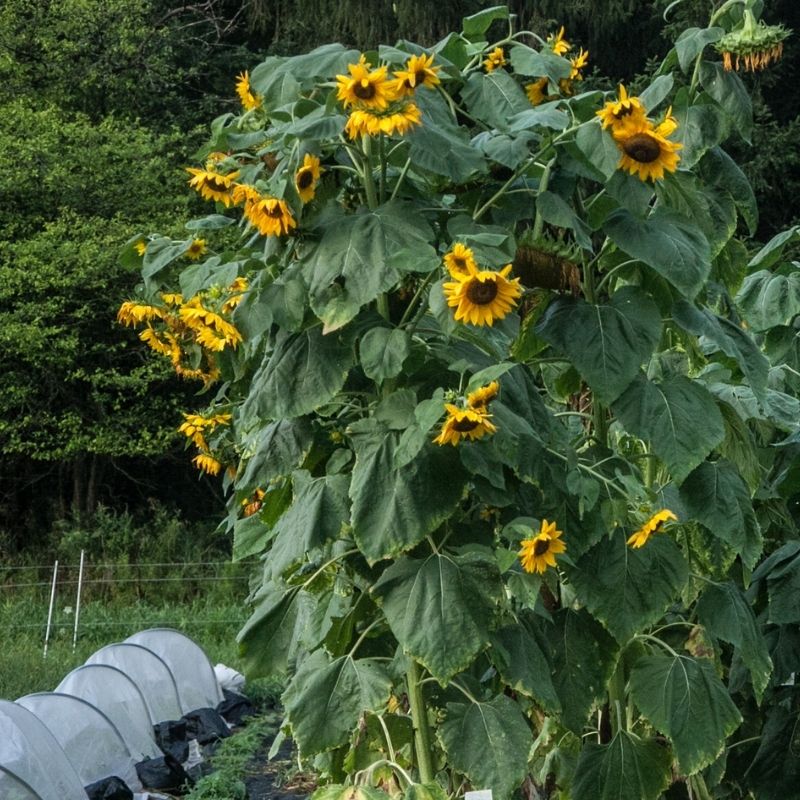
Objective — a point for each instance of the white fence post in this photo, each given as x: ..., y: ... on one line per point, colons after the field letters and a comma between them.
x: 50, y: 610
x: 78, y: 604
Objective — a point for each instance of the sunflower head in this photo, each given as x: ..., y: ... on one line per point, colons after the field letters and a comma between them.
x: 537, y: 91
x: 398, y: 119
x: 653, y: 525
x: 464, y: 423
x: 419, y: 71
x: 539, y: 552
x: 482, y: 296
x: 207, y: 463
x: 213, y: 185
x: 558, y: 44
x: 645, y: 149
x: 625, y: 111
x: 364, y: 87
x: 305, y: 179
x: 578, y: 64
x: 755, y: 44
x: 484, y: 395
x: 248, y: 99
x: 140, y: 247
x: 459, y: 260
x: 196, y: 249
x: 495, y: 60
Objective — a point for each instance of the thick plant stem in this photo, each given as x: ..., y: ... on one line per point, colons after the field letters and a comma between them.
x: 369, y: 178
x: 419, y: 717
x: 544, y: 182
x: 616, y: 699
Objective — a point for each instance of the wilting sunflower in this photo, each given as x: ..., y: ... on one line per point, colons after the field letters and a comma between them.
x: 539, y: 553
x: 755, y: 44
x: 623, y: 112
x: 399, y: 119
x: 482, y: 296
x: 481, y: 397
x: 653, y: 525
x: 249, y: 100
x: 270, y: 215
x: 364, y: 87
x: 213, y: 185
x: 464, y: 423
x: 558, y: 44
x: 131, y: 313
x: 537, y: 91
x: 495, y: 60
x: 207, y: 463
x: 459, y: 260
x: 197, y: 249
x: 645, y: 149
x: 419, y: 71
x: 305, y: 179
x: 252, y: 505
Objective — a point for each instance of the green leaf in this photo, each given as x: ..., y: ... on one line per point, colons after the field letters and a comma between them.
x: 726, y: 87
x: 627, y: 768
x: 700, y: 128
x: 383, y: 351
x: 396, y: 507
x: 504, y: 149
x: 767, y: 300
x: 598, y: 148
x: 666, y: 415
x: 326, y: 699
x: 534, y: 63
x: 772, y: 251
x: 494, y: 97
x: 583, y: 657
x: 775, y: 770
x: 781, y: 409
x: 160, y: 253
x: 666, y: 241
x: 724, y: 611
x: 555, y: 210
x: 606, y: 343
x: 522, y: 664
x: 304, y: 371
x: 628, y: 589
x: 546, y: 115
x: 318, y: 511
x: 276, y: 449
x: 693, y: 41
x: 475, y: 25
x: 721, y: 171
x: 266, y: 640
x: 716, y: 496
x: 683, y: 698
x: 325, y: 61
x: 212, y: 222
x: 657, y: 92
x: 729, y: 338
x: 488, y: 742
x: 454, y: 595
x: 783, y: 587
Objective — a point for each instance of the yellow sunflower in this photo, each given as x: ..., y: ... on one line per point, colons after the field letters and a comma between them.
x: 645, y: 149
x: 537, y: 91
x: 364, y: 87
x: 653, y: 525
x: 207, y: 463
x: 249, y: 100
x: 578, y: 64
x: 482, y: 296
x: 495, y: 60
x: 459, y: 260
x: 213, y: 185
x: 481, y: 397
x: 270, y: 215
x: 252, y: 505
x: 419, y: 71
x: 305, y: 179
x: 464, y: 423
x: 140, y: 248
x: 197, y: 249
x: 539, y: 553
x: 399, y: 120
x: 131, y: 313
x: 558, y: 44
x: 626, y: 110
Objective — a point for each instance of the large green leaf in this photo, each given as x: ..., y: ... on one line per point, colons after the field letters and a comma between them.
x: 767, y: 300
x: 362, y: 255
x: 523, y: 665
x: 783, y: 585
x: 326, y: 699
x: 668, y: 415
x: 716, y: 495
x: 701, y: 127
x: 475, y: 25
x: 276, y: 449
x: 774, y: 773
x: 728, y: 337
x: 626, y: 588
x: 726, y: 87
x: 683, y: 698
x: 583, y: 656
x: 383, y: 351
x: 658, y: 91
x: 318, y: 511
x: 721, y: 171
x: 494, y: 97
x: 772, y: 251
x: 488, y: 742
x: 555, y: 210
x: 724, y: 611
x: 396, y: 507
x: 606, y: 343
x: 693, y: 41
x: 440, y: 608
x: 627, y: 768
x: 670, y: 243
x: 598, y: 150
x: 303, y: 371
x: 538, y: 63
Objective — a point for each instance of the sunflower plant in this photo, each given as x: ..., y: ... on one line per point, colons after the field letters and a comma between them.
x: 507, y: 404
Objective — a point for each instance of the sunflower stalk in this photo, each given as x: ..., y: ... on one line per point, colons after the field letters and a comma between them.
x: 538, y: 222
x: 419, y: 718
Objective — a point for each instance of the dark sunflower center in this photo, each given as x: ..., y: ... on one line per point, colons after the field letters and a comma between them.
x: 364, y: 90
x: 642, y: 148
x: 464, y: 425
x: 541, y: 547
x: 624, y: 111
x: 216, y: 184
x: 304, y: 179
x: 275, y: 212
x: 419, y: 77
x: 460, y: 264
x: 481, y: 293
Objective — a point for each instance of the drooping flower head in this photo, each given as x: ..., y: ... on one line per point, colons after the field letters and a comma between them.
x: 213, y: 185
x: 419, y: 71
x: 364, y: 87
x: 464, y: 423
x: 755, y: 44
x: 459, y: 260
x: 196, y: 249
x: 252, y: 505
x: 484, y: 395
x: 207, y: 463
x: 306, y: 178
x: 645, y: 149
x: 558, y: 44
x: 249, y: 100
x: 132, y: 313
x: 399, y: 119
x: 495, y: 60
x: 653, y: 525
x: 537, y: 91
x: 271, y: 216
x: 482, y: 296
x: 539, y: 552
x: 625, y: 111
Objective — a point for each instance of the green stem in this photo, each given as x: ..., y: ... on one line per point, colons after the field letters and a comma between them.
x: 413, y: 304
x: 616, y: 696
x: 699, y: 60
x: 419, y: 717
x: 538, y: 222
x: 369, y: 179
x: 400, y: 178
x: 382, y: 157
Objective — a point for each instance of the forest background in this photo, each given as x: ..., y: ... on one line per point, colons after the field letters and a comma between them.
x: 100, y: 101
